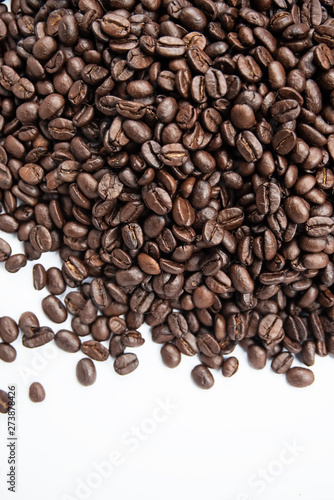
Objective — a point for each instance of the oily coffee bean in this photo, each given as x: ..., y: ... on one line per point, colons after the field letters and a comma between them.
x: 36, y: 392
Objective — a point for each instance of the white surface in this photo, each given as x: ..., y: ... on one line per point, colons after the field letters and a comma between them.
x: 156, y: 435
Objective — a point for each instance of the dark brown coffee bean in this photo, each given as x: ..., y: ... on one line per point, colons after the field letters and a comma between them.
x: 4, y: 401
x: 132, y: 338
x: 170, y: 355
x: 230, y: 366
x: 8, y: 329
x: 41, y: 335
x: 300, y: 377
x: 27, y: 323
x: 95, y: 350
x: 282, y: 362
x: 271, y: 329
x: 67, y: 341
x: 202, y: 377
x: 86, y: 372
x: 36, y: 392
x: 54, y: 309
x: 125, y: 363
x: 7, y: 353
x: 5, y: 250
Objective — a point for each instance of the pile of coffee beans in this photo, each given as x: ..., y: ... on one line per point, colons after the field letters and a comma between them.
x: 179, y: 157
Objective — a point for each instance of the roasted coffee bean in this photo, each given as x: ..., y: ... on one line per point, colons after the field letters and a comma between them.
x: 67, y: 341
x: 208, y: 345
x: 94, y: 350
x: 271, y: 329
x: 54, y: 281
x: 36, y: 392
x: 27, y: 323
x: 170, y: 355
x: 257, y: 357
x: 8, y: 329
x: 177, y: 324
x: 300, y: 377
x: 202, y: 377
x: 4, y: 401
x: 132, y: 338
x: 86, y: 372
x: 7, y: 353
x: 41, y: 335
x: 54, y: 309
x: 125, y: 363
x: 230, y: 366
x: 282, y: 362
x: 5, y: 250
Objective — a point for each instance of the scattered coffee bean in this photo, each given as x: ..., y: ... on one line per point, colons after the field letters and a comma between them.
x: 202, y: 377
x: 36, y: 392
x: 4, y: 400
x: 300, y: 377
x: 125, y: 363
x: 86, y: 372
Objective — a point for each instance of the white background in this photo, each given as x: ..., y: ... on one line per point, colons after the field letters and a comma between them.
x: 153, y: 435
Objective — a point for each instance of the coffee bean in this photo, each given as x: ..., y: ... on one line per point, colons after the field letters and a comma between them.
x: 95, y: 350
x: 257, y: 357
x: 230, y: 366
x: 7, y: 353
x: 27, y: 323
x: 202, y: 377
x: 132, y: 338
x: 4, y: 401
x: 41, y: 335
x: 125, y: 363
x: 54, y: 309
x: 86, y: 372
x: 36, y: 392
x: 39, y: 276
x: 5, y: 250
x: 170, y: 355
x: 8, y: 329
x: 300, y: 377
x: 67, y: 341
x: 270, y: 329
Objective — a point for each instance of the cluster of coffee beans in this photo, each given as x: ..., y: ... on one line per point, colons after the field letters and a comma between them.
x: 178, y: 155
